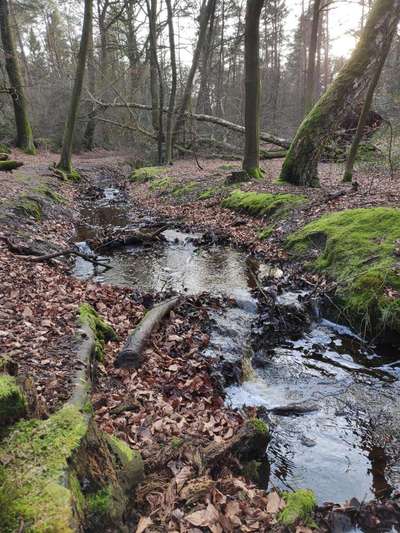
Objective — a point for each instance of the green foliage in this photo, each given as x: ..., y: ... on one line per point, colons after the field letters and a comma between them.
x: 263, y: 204
x: 4, y: 149
x: 209, y: 193
x: 103, y: 332
x: 357, y: 249
x: 33, y: 464
x: 100, y: 502
x: 300, y: 506
x: 12, y: 400
x: 142, y: 175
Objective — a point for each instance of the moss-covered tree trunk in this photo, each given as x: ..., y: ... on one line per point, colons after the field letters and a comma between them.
x: 24, y: 139
x: 65, y: 163
x: 251, y: 161
x: 301, y: 164
x: 348, y: 172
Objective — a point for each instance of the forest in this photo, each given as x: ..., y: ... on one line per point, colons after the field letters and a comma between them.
x: 199, y: 266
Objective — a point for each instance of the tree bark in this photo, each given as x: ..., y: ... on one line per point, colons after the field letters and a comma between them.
x: 251, y: 161
x: 310, y: 84
x: 91, y: 124
x: 348, y: 172
x: 172, y: 96
x: 65, y: 163
x: 154, y: 84
x: 301, y: 164
x: 207, y: 9
x: 24, y: 139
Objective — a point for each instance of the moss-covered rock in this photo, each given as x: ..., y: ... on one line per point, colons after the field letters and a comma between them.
x: 49, y: 193
x: 33, y: 483
x: 30, y: 207
x: 357, y: 248
x: 64, y: 475
x: 13, y: 404
x: 263, y: 204
x: 103, y: 332
x: 300, y: 506
x: 142, y: 175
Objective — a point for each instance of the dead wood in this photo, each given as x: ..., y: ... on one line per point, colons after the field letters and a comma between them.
x: 4, y: 157
x: 137, y: 237
x: 9, y: 166
x: 131, y: 355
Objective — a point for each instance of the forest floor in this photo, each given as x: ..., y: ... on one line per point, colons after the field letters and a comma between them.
x: 172, y: 400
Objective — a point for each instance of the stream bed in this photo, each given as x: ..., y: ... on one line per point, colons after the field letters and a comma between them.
x: 341, y: 439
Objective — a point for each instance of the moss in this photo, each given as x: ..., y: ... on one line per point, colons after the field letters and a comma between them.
x: 130, y: 460
x: 12, y: 400
x: 121, y: 449
x: 4, y: 149
x: 255, y: 173
x: 29, y: 207
x: 356, y: 248
x: 263, y: 204
x: 182, y: 190
x: 259, y: 425
x: 209, y: 193
x: 33, y: 465
x: 228, y: 166
x: 176, y: 442
x: 49, y: 193
x: 103, y: 332
x: 161, y: 184
x: 100, y: 503
x: 265, y: 233
x: 300, y: 506
x: 142, y: 175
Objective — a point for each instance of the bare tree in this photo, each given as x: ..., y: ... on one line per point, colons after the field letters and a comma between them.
x: 251, y: 161
x: 24, y: 139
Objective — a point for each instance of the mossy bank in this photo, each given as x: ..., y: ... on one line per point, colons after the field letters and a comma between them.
x: 268, y: 205
x: 359, y: 249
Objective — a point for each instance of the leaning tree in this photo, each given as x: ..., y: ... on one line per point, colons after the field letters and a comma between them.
x: 301, y: 163
x: 24, y: 139
x: 251, y: 161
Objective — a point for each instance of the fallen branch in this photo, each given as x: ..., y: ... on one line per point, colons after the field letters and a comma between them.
x: 131, y: 354
x: 273, y: 154
x: 134, y: 238
x: 264, y: 136
x: 9, y: 166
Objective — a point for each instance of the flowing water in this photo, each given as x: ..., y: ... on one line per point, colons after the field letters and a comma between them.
x: 342, y: 440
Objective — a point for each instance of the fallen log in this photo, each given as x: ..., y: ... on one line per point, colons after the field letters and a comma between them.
x: 4, y: 157
x: 273, y: 154
x: 131, y: 354
x: 30, y: 254
x: 9, y: 166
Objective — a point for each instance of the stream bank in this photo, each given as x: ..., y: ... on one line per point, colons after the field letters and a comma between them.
x: 330, y: 400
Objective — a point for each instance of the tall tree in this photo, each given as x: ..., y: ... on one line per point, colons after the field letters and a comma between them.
x: 174, y: 78
x: 312, y: 54
x: 301, y: 163
x: 24, y: 139
x: 251, y: 161
x: 65, y: 163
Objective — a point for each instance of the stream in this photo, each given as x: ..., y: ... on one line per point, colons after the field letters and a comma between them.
x: 342, y: 438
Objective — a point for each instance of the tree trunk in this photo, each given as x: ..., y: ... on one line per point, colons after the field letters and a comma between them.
x: 172, y: 96
x: 207, y: 9
x: 154, y: 85
x: 91, y: 124
x: 251, y: 161
x: 301, y: 164
x: 24, y: 139
x: 348, y: 172
x: 65, y: 163
x: 310, y: 85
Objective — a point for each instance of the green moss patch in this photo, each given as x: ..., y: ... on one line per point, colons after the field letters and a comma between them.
x: 103, y: 332
x: 357, y: 248
x: 33, y: 465
x: 183, y: 189
x: 161, y: 184
x: 142, y: 175
x: 29, y: 207
x: 300, y: 506
x: 50, y: 194
x: 259, y: 426
x: 263, y: 204
x: 265, y: 233
x: 12, y: 400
